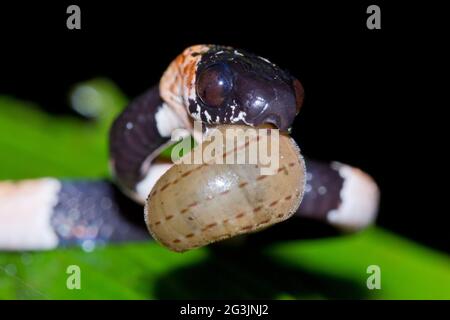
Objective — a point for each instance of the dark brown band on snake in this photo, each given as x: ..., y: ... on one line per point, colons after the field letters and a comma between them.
x: 94, y: 213
x: 322, y: 190
x: 134, y: 137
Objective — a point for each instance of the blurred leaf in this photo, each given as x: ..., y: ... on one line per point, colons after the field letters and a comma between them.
x: 35, y: 144
x: 98, y: 99
x: 408, y: 270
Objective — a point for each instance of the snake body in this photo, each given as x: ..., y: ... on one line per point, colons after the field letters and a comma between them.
x: 215, y: 85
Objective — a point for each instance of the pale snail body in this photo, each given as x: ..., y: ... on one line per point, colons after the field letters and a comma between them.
x: 193, y: 205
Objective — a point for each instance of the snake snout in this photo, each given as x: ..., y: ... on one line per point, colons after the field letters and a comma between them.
x: 238, y: 87
x: 276, y: 105
x: 268, y: 101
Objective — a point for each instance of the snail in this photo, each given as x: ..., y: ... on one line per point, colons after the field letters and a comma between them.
x: 191, y: 205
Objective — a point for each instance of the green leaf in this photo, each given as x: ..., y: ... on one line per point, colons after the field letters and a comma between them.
x: 35, y: 144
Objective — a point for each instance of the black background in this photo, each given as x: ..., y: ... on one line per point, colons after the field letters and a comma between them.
x: 367, y: 92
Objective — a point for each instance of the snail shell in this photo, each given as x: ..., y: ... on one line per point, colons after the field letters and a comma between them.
x: 193, y: 205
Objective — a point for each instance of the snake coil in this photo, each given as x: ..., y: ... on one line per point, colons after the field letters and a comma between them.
x: 191, y: 205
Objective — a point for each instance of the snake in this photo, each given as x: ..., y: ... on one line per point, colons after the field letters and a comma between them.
x: 217, y: 86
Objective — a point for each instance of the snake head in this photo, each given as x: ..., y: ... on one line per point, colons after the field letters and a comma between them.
x: 222, y: 85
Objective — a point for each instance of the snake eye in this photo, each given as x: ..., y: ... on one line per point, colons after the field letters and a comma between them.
x: 214, y: 84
